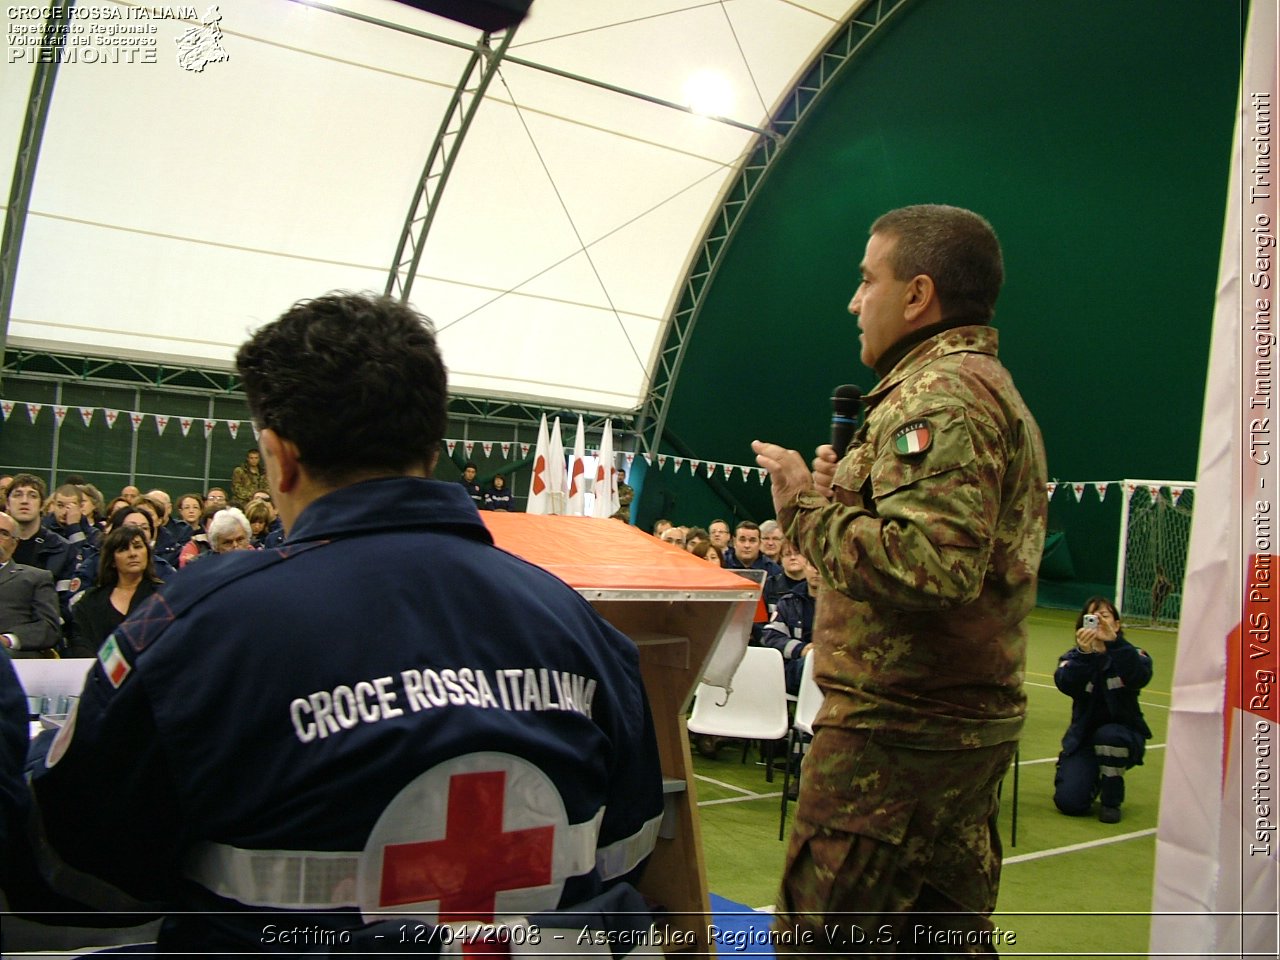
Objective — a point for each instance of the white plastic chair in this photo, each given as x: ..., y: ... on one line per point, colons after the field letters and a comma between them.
x: 808, y: 703
x: 754, y: 707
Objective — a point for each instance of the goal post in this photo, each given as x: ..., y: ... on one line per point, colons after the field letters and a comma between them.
x: 1155, y: 532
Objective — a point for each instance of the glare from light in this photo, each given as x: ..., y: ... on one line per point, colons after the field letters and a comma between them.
x: 708, y: 92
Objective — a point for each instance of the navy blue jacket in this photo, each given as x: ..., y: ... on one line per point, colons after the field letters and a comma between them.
x: 790, y: 631
x: 1103, y: 688
x: 338, y: 724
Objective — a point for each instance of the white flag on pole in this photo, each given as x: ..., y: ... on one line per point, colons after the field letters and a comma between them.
x: 555, y: 469
x: 606, y: 484
x: 577, y: 479
x: 1217, y: 863
x: 539, y: 489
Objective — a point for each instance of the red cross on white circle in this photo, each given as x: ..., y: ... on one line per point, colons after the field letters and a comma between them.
x: 470, y: 839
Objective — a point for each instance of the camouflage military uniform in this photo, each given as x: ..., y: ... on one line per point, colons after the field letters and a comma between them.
x: 929, y: 555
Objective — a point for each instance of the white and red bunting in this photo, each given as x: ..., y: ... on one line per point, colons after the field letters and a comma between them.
x: 86, y: 414
x: 136, y: 418
x: 506, y: 449
x: 711, y: 469
x: 234, y: 427
x: 762, y: 473
x: 468, y: 446
x: 33, y: 410
x: 111, y: 416
x: 728, y: 470
x: 679, y: 463
x: 693, y: 466
x: 257, y: 434
x: 185, y: 423
x: 59, y: 414
x: 1051, y: 486
x: 1102, y: 490
x: 1129, y: 488
x: 1154, y: 491
x: 487, y: 447
x: 629, y: 457
x: 524, y: 451
x: 1078, y: 490
x: 1176, y: 493
x: 208, y: 428
x: 662, y: 461
x: 451, y: 445
x: 162, y: 421
x: 6, y: 408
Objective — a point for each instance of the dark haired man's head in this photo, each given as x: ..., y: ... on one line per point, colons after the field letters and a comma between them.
x: 355, y: 383
x: 955, y: 247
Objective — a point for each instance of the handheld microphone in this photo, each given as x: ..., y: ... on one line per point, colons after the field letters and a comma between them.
x: 846, y: 408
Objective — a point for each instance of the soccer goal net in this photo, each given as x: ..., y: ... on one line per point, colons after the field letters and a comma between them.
x: 1155, y: 530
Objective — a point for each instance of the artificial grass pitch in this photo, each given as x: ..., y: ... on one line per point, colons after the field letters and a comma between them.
x: 1072, y: 887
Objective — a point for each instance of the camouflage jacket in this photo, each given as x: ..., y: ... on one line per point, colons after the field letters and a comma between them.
x: 929, y: 552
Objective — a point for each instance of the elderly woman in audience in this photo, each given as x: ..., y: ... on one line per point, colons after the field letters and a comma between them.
x: 126, y: 577
x: 771, y: 540
x: 230, y: 530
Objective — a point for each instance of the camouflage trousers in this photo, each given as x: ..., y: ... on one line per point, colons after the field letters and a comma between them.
x: 894, y: 850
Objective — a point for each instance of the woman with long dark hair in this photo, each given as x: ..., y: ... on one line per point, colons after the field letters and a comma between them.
x: 126, y: 577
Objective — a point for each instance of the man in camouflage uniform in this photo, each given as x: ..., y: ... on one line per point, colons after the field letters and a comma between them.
x: 928, y: 533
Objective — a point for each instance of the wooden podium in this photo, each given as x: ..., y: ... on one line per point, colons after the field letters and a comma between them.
x: 676, y: 607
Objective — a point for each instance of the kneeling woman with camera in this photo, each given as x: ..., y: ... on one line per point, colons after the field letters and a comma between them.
x: 1102, y: 675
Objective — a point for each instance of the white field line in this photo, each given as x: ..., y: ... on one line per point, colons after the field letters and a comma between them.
x: 1050, y: 686
x: 1041, y: 854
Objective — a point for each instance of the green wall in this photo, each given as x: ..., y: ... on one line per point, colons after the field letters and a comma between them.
x: 1095, y: 136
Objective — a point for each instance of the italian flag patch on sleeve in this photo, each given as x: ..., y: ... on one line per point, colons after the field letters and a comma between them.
x: 913, y: 438
x: 113, y: 662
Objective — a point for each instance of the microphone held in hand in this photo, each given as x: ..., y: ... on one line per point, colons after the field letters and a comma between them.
x: 846, y: 410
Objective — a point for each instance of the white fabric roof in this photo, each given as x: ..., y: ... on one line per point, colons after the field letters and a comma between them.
x: 174, y: 211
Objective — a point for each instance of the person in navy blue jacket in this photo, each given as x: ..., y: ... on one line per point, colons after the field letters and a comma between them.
x: 498, y: 496
x: 1102, y: 675
x: 387, y: 715
x: 790, y: 630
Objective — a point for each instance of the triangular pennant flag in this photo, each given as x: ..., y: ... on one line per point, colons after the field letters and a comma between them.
x: 136, y: 418
x: 487, y: 447
x: 679, y: 463
x: 60, y: 414
x: 1078, y: 490
x: 711, y: 469
x: 234, y: 427
x: 728, y: 470
x: 1154, y: 491
x: 162, y: 421
x: 6, y: 407
x: 762, y: 472
x: 1102, y: 490
x: 208, y: 428
x: 693, y: 466
x: 33, y: 410
x: 1175, y: 493
x: 86, y: 414
x: 1051, y: 487
x: 630, y: 458
x: 662, y: 461
x: 185, y: 423
x: 450, y: 445
x: 257, y: 434
x: 467, y: 447
x: 524, y: 451
x: 506, y: 449
x: 111, y: 417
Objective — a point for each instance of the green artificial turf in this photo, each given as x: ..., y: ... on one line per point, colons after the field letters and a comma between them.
x: 1085, y: 902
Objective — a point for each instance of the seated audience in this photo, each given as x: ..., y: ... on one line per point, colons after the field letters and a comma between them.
x: 746, y: 550
x: 771, y: 541
x: 126, y: 577
x: 498, y: 497
x: 216, y: 497
x: 468, y: 481
x: 792, y: 575
x: 190, y: 506
x: 695, y: 536
x: 673, y: 535
x: 29, y: 622
x: 92, y: 506
x: 1102, y: 675
x: 38, y: 547
x: 266, y: 528
x: 198, y: 545
x: 67, y: 518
